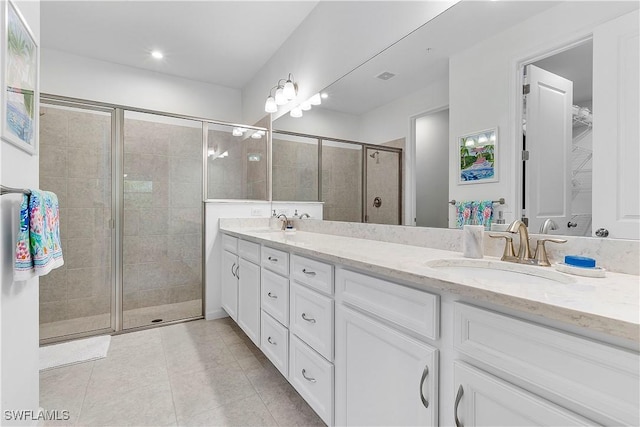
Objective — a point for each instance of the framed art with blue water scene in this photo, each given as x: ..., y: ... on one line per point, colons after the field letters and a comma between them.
x: 20, y: 66
x: 477, y: 159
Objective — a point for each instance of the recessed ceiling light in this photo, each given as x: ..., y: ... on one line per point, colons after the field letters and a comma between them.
x: 157, y: 54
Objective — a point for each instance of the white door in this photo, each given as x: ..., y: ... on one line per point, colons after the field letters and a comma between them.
x: 249, y: 299
x: 616, y: 143
x: 484, y: 400
x: 548, y: 141
x: 230, y: 284
x: 383, y: 377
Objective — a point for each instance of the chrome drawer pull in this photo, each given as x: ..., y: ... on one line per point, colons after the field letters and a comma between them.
x: 273, y: 259
x: 271, y: 341
x: 308, y: 319
x: 425, y: 373
x: 455, y: 406
x: 311, y: 380
x: 233, y: 271
x: 308, y: 273
x: 272, y: 296
x: 238, y: 271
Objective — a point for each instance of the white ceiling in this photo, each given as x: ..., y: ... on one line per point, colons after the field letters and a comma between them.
x: 457, y: 29
x: 219, y: 42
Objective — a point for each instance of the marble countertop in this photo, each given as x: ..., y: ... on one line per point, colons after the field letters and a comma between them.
x: 610, y: 305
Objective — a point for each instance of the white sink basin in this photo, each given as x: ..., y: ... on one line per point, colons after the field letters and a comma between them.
x: 500, y: 271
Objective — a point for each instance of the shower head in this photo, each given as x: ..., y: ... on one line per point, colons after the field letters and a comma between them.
x: 374, y: 154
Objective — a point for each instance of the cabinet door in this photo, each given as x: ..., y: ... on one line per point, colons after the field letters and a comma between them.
x: 249, y: 300
x: 485, y: 400
x: 230, y: 284
x: 383, y: 377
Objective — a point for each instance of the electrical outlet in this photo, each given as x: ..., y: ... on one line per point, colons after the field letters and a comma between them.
x: 256, y: 212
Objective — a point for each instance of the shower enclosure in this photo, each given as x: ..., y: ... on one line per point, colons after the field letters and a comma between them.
x: 357, y: 182
x: 131, y: 185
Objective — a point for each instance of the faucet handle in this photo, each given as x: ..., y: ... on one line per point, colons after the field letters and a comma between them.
x: 541, y: 252
x: 508, y: 245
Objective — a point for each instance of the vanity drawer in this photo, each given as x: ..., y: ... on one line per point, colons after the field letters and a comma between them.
x: 275, y: 260
x: 313, y: 273
x: 415, y: 310
x: 249, y: 251
x: 596, y: 380
x: 275, y: 343
x: 230, y: 243
x: 312, y: 377
x: 275, y: 296
x: 311, y: 319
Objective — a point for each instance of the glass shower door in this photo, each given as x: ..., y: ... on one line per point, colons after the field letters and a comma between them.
x: 163, y: 211
x: 75, y: 163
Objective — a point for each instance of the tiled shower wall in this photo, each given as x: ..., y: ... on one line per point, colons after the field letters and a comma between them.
x: 342, y: 182
x: 235, y: 176
x: 75, y: 163
x: 162, y: 246
x: 295, y: 170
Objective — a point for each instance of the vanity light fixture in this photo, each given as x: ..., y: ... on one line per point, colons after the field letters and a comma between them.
x: 305, y: 106
x: 157, y: 54
x: 238, y: 131
x: 324, y: 95
x: 469, y: 142
x: 296, y: 112
x: 315, y: 99
x: 482, y: 140
x: 285, y: 91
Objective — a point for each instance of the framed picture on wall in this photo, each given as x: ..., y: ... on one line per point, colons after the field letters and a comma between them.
x: 20, y: 67
x: 477, y: 160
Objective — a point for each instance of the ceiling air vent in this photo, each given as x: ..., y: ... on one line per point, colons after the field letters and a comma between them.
x: 385, y: 76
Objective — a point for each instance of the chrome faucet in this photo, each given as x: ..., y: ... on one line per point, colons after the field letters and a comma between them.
x: 305, y: 215
x: 524, y: 250
x: 284, y: 222
x: 547, y: 225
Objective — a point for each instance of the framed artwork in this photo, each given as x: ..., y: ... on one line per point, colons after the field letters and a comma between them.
x: 20, y: 66
x: 477, y: 161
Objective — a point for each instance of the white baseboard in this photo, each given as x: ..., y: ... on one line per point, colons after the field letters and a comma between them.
x: 216, y: 314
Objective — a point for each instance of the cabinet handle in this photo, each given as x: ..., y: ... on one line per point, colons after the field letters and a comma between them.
x: 308, y: 273
x: 273, y: 259
x: 272, y: 296
x: 238, y: 271
x: 308, y: 319
x: 233, y: 270
x: 425, y: 373
x: 271, y: 341
x: 455, y: 406
x: 311, y: 380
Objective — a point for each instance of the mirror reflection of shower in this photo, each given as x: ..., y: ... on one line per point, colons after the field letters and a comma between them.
x: 375, y: 155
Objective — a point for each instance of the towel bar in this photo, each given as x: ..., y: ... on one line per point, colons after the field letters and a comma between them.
x: 9, y: 190
x: 500, y: 200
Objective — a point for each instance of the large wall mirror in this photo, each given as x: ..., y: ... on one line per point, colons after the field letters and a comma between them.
x: 464, y: 71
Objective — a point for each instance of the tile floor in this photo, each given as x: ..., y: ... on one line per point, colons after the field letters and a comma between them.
x: 200, y: 373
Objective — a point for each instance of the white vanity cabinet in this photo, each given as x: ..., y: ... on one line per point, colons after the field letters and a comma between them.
x: 553, y: 375
x: 384, y: 376
x: 485, y: 400
x: 229, y: 291
x: 274, y: 300
x: 240, y: 293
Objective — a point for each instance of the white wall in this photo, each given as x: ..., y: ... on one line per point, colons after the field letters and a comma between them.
x: 19, y: 331
x: 432, y: 172
x: 75, y: 76
x: 392, y: 121
x: 213, y: 241
x: 482, y: 89
x: 318, y: 56
x: 322, y: 122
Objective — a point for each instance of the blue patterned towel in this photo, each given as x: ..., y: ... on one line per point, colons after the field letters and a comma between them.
x: 38, y: 249
x: 474, y: 212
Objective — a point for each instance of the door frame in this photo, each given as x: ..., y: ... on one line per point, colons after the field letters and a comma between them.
x: 516, y: 112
